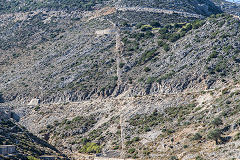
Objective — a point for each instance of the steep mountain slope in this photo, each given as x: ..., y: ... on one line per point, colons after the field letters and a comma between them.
x: 141, y: 79
x: 228, y: 6
x: 55, y: 54
x: 159, y: 122
x: 155, y: 127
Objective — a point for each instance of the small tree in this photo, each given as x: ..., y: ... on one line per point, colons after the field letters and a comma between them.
x: 197, y: 136
x: 90, y: 147
x: 215, y: 135
x: 166, y: 47
x: 147, y: 69
x: 155, y: 24
x: 217, y: 122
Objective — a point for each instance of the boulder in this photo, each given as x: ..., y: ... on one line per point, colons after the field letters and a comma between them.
x: 34, y: 102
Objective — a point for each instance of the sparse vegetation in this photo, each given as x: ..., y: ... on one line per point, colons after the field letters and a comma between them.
x: 164, y: 86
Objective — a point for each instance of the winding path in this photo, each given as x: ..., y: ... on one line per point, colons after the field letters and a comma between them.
x: 157, y: 10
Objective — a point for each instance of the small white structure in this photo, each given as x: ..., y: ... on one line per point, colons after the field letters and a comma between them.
x: 34, y: 102
x: 105, y: 31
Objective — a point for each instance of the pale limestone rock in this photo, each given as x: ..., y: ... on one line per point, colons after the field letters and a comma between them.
x: 34, y: 102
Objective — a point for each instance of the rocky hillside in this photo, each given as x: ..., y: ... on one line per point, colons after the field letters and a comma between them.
x: 25, y: 5
x: 55, y: 55
x: 183, y: 106
x: 204, y: 7
x: 180, y: 126
x: 28, y: 145
x: 229, y: 7
x: 147, y: 80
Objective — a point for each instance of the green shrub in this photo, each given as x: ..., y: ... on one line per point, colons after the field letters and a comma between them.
x: 221, y: 23
x: 137, y: 36
x: 227, y: 48
x: 225, y: 91
x: 166, y: 47
x: 187, y: 27
x: 155, y: 24
x: 139, y: 25
x: 221, y: 66
x: 166, y: 76
x: 163, y: 30
x: 173, y: 158
x: 161, y: 43
x: 174, y: 37
x: 179, y: 25
x: 125, y: 24
x: 164, y: 36
x: 84, y: 141
x: 147, y: 129
x: 224, y: 35
x: 197, y: 136
x: 146, y: 152
x: 37, y: 108
x: 147, y: 69
x: 115, y: 147
x: 90, y: 147
x: 147, y: 120
x: 168, y: 131
x: 215, y: 135
x: 150, y: 80
x: 214, y: 54
x: 197, y: 24
x: 217, y: 122
x: 128, y: 143
x: 131, y: 150
x: 135, y: 139
x: 237, y: 136
x: 32, y: 158
x: 149, y: 34
x: 199, y: 158
x: 115, y: 78
x: 121, y: 65
x: 228, y: 102
x: 125, y: 40
x: 146, y: 28
x: 147, y: 56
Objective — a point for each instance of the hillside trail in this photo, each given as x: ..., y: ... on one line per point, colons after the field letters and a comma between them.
x: 157, y: 10
x: 110, y: 10
x: 118, y: 53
